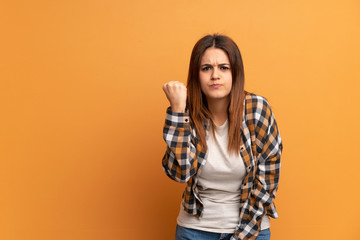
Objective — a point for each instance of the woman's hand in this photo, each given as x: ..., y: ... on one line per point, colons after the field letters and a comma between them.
x: 176, y: 94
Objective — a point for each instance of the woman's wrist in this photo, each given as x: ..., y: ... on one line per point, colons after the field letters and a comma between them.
x: 178, y: 109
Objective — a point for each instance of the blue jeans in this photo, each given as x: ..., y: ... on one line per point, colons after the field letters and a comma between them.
x: 183, y: 233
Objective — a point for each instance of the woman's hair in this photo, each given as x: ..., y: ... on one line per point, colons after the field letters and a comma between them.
x: 196, y: 100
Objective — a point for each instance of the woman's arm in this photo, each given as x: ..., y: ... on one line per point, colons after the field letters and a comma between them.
x: 179, y: 161
x: 269, y: 149
x: 266, y: 178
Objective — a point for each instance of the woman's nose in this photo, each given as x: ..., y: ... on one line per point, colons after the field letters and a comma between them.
x: 214, y: 74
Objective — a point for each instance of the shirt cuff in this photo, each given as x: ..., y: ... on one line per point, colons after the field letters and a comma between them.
x: 177, y: 119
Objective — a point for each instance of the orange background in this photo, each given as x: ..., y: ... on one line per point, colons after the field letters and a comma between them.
x: 82, y: 112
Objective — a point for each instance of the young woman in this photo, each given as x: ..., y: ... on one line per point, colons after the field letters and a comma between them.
x: 224, y: 143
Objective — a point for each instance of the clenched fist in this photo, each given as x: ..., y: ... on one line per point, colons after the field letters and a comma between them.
x: 176, y: 94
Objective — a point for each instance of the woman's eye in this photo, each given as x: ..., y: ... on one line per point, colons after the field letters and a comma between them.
x: 224, y: 68
x: 205, y: 68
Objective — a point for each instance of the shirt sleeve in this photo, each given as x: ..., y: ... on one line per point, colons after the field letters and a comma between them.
x: 179, y: 161
x: 269, y: 148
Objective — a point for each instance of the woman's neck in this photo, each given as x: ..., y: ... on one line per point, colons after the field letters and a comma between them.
x: 219, y: 110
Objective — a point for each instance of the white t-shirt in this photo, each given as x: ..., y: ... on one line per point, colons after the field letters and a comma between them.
x: 219, y: 187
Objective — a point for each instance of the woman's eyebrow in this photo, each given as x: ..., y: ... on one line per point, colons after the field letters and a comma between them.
x: 208, y: 64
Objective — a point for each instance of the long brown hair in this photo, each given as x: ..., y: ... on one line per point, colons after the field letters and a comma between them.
x: 196, y: 100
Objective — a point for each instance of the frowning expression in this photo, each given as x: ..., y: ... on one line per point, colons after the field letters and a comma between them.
x: 215, y: 74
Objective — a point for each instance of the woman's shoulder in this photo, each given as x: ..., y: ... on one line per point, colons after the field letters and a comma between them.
x: 255, y: 100
x: 257, y: 107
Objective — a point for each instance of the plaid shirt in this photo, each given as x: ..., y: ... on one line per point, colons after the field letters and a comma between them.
x: 261, y: 147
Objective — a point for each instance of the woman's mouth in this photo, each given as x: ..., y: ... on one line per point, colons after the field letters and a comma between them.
x: 215, y: 85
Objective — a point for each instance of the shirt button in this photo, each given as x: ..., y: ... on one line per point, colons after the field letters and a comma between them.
x: 249, y: 168
x: 186, y: 120
x: 242, y: 148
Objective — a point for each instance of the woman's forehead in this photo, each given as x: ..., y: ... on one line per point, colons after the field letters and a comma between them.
x: 215, y: 56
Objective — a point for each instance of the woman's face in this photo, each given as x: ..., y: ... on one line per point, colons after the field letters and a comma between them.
x: 215, y: 74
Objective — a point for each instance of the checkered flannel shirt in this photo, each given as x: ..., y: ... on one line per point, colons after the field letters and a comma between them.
x: 261, y: 148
